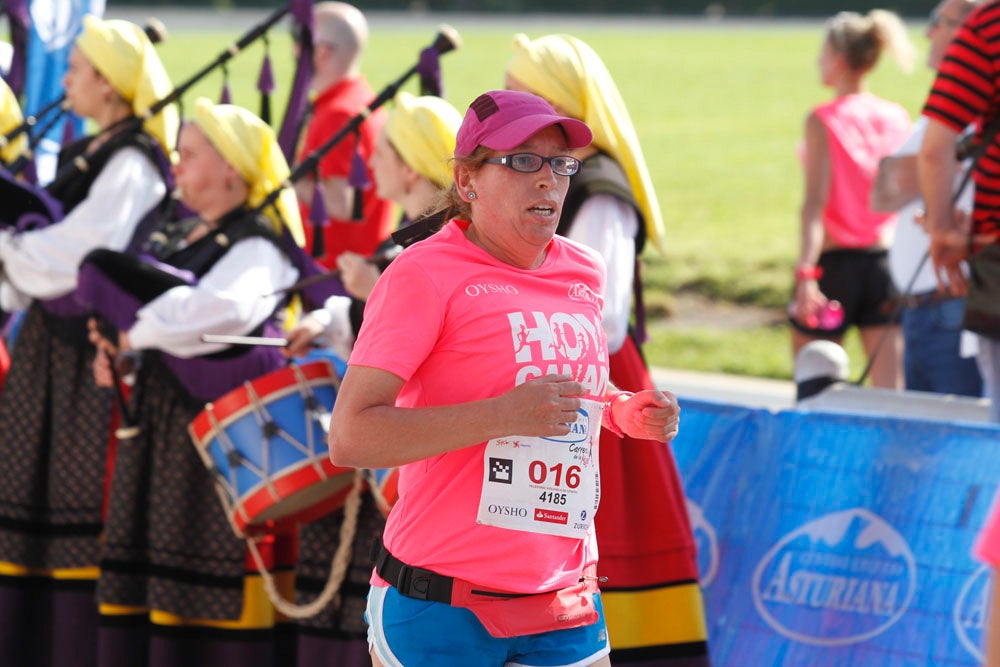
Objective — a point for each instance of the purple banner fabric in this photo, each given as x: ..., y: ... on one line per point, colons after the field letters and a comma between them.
x: 298, y: 99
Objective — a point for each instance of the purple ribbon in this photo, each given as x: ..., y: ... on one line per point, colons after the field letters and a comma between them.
x: 429, y: 69
x: 34, y: 220
x: 317, y: 210
x: 69, y: 134
x: 298, y: 99
x: 19, y: 19
x: 265, y: 82
x: 318, y: 218
x: 302, y: 12
x: 358, y: 177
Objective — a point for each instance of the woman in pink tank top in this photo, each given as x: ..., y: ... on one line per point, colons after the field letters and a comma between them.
x: 842, y: 277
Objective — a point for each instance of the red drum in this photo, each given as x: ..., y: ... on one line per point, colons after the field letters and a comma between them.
x: 265, y: 444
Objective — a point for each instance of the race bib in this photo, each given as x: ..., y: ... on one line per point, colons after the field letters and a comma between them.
x: 544, y: 485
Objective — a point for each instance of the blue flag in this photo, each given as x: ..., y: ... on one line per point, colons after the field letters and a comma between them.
x: 54, y: 27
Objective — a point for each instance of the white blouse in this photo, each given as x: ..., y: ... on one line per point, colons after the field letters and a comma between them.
x: 233, y: 298
x: 43, y: 263
x: 609, y: 226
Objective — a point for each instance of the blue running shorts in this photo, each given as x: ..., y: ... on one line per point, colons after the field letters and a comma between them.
x: 406, y: 632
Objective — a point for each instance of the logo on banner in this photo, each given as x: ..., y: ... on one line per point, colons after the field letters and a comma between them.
x: 969, y: 615
x: 841, y: 579
x: 706, y: 543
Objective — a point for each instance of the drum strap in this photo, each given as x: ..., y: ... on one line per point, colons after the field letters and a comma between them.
x: 338, y: 567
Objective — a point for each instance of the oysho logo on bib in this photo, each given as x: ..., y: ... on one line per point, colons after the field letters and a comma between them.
x: 841, y: 579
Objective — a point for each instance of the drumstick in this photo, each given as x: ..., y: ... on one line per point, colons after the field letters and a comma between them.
x: 244, y: 340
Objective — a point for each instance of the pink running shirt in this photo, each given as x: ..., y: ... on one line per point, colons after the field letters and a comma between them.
x: 987, y: 545
x: 861, y: 129
x: 458, y: 325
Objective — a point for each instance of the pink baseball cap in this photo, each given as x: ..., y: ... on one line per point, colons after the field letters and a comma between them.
x: 505, y: 119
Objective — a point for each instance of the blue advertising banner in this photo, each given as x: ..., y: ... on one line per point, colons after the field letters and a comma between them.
x: 839, y: 540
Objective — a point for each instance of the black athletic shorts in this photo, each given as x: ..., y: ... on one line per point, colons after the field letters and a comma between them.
x: 859, y: 279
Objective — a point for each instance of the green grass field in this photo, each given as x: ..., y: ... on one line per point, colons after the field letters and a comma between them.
x: 719, y: 110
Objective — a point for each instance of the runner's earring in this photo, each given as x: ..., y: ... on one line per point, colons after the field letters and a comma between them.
x: 471, y: 195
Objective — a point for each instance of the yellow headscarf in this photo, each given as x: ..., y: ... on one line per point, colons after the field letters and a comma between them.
x: 422, y: 130
x: 10, y: 118
x: 570, y: 75
x: 122, y: 53
x: 249, y: 145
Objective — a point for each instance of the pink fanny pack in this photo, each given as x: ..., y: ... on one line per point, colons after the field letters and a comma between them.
x: 506, y: 616
x: 502, y: 613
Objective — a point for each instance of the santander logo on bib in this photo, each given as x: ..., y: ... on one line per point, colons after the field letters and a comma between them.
x: 551, y: 516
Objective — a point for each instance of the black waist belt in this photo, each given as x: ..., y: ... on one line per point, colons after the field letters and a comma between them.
x: 413, y: 582
x: 423, y: 584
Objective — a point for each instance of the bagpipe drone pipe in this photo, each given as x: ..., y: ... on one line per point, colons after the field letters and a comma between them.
x: 115, y: 285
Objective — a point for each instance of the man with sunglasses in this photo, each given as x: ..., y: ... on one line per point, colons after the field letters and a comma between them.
x: 934, y: 357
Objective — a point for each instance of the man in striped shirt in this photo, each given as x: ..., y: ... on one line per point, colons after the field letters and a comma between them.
x: 967, y: 89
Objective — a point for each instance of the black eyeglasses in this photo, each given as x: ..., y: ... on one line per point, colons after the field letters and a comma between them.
x: 529, y: 163
x: 938, y: 19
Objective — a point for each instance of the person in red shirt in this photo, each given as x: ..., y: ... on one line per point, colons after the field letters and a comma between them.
x: 357, y: 218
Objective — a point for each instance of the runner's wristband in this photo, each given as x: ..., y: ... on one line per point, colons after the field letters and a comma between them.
x: 608, y: 417
x: 808, y: 272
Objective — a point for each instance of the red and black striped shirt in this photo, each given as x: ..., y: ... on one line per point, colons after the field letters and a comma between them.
x: 966, y: 90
